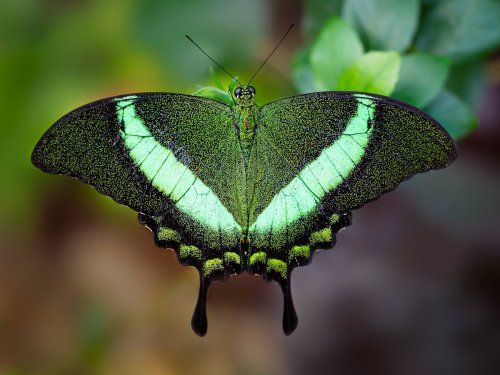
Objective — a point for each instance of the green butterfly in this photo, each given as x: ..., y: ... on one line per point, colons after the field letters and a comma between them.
x: 242, y: 188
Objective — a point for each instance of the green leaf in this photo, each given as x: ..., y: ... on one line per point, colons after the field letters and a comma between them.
x: 375, y: 72
x: 456, y: 117
x: 383, y: 24
x: 337, y: 47
x: 421, y: 78
x: 215, y: 78
x: 215, y: 94
x: 302, y: 73
x: 460, y: 28
x: 317, y: 12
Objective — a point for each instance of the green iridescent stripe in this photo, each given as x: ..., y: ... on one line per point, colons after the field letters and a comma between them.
x: 301, y: 196
x: 167, y: 174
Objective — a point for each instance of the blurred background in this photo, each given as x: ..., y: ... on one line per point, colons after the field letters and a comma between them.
x: 412, y: 287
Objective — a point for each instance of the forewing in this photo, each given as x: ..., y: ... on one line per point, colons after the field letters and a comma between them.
x: 154, y: 153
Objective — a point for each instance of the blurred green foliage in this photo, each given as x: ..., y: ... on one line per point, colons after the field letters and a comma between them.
x: 218, y: 91
x: 424, y: 52
x: 375, y: 71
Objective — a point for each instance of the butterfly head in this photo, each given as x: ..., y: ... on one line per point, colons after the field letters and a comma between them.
x: 244, y: 93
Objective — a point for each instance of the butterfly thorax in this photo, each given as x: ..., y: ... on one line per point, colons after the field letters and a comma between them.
x: 245, y: 110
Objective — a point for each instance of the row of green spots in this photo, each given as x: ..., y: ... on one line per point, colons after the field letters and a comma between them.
x: 169, y: 235
x: 189, y: 251
x: 214, y: 265
x: 272, y: 265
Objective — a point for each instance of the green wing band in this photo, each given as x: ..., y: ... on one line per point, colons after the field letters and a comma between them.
x: 157, y: 153
x: 345, y: 149
x: 303, y: 194
x: 167, y: 174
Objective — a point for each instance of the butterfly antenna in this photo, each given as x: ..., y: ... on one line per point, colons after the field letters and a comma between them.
x: 275, y: 48
x: 216, y: 63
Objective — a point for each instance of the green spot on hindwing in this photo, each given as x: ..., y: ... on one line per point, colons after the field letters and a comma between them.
x: 299, y: 254
x: 232, y: 262
x: 168, y: 235
x: 259, y: 257
x: 231, y: 257
x: 321, y: 238
x: 190, y: 252
x: 212, y: 267
x: 276, y: 266
x: 334, y: 219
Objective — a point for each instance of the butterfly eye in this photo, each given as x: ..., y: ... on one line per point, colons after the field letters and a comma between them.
x: 237, y: 92
x: 251, y: 89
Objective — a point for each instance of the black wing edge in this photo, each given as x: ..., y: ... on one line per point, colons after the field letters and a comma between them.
x: 385, y: 99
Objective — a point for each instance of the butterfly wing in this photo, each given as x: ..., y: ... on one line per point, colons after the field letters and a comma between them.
x: 156, y: 153
x: 321, y: 155
x: 331, y: 152
x: 328, y: 153
x: 318, y: 156
x: 173, y: 158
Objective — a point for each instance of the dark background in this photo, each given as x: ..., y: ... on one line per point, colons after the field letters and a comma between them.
x: 411, y: 288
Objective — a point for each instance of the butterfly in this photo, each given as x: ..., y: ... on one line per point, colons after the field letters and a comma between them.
x: 242, y: 188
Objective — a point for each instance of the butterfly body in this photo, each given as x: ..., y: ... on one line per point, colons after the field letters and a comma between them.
x: 245, y: 111
x: 244, y: 188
